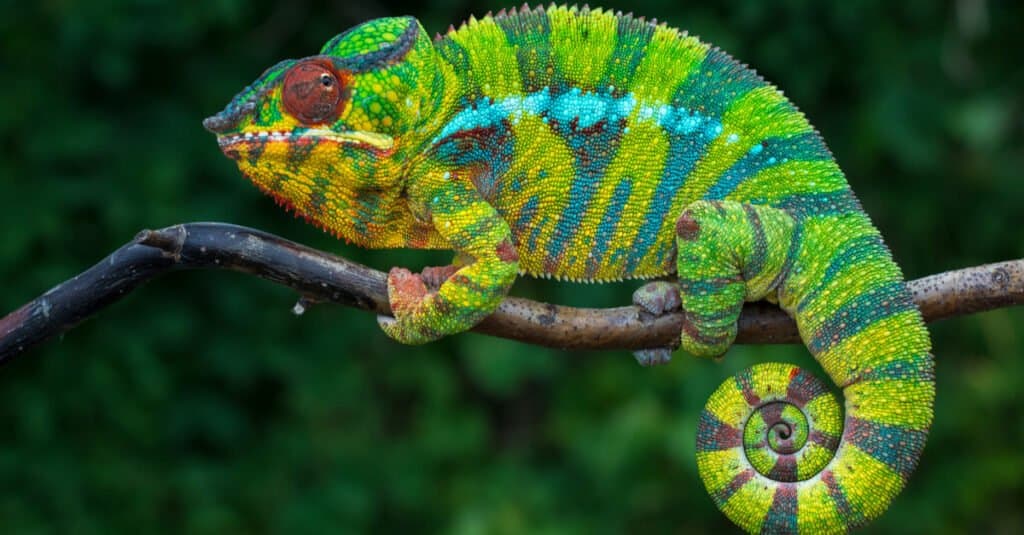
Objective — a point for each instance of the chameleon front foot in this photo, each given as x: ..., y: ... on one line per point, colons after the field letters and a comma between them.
x: 434, y: 276
x: 656, y: 299
x: 411, y: 302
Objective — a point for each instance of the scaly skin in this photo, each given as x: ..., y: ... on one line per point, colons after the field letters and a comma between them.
x: 592, y: 146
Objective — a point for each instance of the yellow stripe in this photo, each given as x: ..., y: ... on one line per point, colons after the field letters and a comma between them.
x: 903, y: 403
x: 639, y: 159
x: 492, y: 60
x: 749, y: 505
x: 713, y: 467
x: 816, y: 512
x: 798, y: 176
x: 728, y: 404
x: 824, y: 410
x: 770, y: 381
x: 667, y: 61
x: 572, y: 32
x: 885, y: 340
x: 538, y: 151
x: 869, y: 485
x: 645, y: 147
x: 812, y: 458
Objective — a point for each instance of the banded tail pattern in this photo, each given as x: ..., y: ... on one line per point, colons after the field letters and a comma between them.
x: 772, y: 447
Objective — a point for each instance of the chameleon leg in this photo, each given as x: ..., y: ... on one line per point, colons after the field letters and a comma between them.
x: 774, y: 449
x: 486, y: 264
x: 728, y: 253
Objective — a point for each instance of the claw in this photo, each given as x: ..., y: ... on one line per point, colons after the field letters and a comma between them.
x: 655, y: 299
x: 653, y: 357
x: 658, y: 297
x: 434, y: 276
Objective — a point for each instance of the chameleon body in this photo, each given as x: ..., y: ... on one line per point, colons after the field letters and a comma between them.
x: 593, y: 146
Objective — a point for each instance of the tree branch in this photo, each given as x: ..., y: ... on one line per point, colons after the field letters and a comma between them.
x: 323, y: 277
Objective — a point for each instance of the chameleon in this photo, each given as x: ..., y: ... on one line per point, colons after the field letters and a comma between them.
x: 590, y: 145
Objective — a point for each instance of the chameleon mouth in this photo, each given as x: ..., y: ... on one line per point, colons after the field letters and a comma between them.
x: 369, y: 139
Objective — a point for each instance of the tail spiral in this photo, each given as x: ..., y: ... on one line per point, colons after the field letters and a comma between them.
x: 777, y: 457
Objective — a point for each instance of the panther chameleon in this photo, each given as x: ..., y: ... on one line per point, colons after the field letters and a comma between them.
x: 589, y: 145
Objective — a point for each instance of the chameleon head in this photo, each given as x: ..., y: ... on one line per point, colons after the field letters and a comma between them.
x: 328, y: 135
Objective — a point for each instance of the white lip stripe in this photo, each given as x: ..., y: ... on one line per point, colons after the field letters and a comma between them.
x: 380, y: 141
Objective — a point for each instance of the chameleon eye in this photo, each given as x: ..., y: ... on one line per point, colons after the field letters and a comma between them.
x: 312, y: 93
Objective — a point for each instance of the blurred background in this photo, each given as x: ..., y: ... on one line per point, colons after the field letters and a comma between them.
x: 201, y: 404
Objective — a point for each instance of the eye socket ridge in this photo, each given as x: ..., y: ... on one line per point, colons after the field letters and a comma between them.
x: 314, y: 92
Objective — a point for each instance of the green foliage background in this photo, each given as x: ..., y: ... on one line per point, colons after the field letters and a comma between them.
x: 200, y: 404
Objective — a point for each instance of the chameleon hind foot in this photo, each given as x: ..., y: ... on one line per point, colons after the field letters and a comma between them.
x: 656, y: 299
x: 729, y: 252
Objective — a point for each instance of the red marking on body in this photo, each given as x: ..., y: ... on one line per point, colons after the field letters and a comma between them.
x: 687, y: 227
x: 751, y: 398
x: 726, y: 437
x: 507, y: 252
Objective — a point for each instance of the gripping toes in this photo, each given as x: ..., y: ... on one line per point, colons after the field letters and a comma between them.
x: 728, y: 253
x: 655, y: 299
x: 409, y: 299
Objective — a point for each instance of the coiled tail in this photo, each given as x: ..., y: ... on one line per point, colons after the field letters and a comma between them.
x: 777, y: 451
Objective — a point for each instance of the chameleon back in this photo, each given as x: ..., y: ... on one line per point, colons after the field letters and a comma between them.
x: 596, y: 130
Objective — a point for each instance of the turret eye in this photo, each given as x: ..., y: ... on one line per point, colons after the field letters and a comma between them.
x: 312, y: 92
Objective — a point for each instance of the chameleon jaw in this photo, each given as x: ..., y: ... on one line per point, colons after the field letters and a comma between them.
x: 369, y: 139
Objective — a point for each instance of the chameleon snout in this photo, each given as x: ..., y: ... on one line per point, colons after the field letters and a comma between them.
x: 228, y: 119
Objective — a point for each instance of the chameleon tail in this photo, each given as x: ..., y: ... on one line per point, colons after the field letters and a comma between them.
x: 774, y: 448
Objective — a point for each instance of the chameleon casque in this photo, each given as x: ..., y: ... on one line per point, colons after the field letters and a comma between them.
x: 588, y: 145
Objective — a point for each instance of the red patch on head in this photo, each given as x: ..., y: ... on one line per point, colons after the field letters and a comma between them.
x: 507, y: 252
x: 314, y: 92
